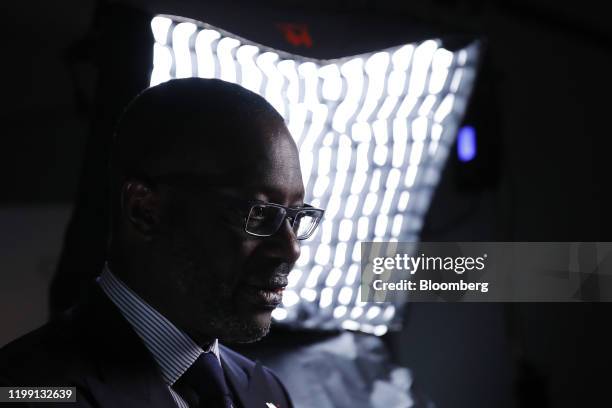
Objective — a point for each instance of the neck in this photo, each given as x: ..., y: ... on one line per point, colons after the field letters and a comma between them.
x: 142, y: 275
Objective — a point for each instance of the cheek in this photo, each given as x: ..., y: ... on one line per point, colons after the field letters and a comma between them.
x: 220, y: 250
x: 234, y: 263
x: 248, y: 249
x: 224, y: 251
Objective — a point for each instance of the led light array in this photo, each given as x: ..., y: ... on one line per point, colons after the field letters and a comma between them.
x: 373, y: 131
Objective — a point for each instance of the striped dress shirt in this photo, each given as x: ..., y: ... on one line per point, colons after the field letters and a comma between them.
x: 172, y: 349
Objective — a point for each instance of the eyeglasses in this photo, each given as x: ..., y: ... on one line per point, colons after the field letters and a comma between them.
x: 262, y: 219
x: 265, y: 219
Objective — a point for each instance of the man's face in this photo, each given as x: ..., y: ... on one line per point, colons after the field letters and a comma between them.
x: 223, y: 282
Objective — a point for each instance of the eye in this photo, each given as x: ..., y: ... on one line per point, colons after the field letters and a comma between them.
x: 257, y: 213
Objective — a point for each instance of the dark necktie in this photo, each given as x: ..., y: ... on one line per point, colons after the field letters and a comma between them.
x: 203, y: 384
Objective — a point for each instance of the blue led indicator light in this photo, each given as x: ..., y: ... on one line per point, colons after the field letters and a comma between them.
x: 466, y: 143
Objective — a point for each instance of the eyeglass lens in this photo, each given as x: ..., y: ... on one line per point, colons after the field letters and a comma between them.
x: 264, y: 220
x: 305, y: 224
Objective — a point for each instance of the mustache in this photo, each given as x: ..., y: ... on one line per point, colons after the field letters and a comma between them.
x: 278, y: 280
x: 269, y: 275
x: 283, y: 269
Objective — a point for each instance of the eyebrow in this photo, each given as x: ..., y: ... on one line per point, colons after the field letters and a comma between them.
x: 275, y: 192
x: 301, y: 205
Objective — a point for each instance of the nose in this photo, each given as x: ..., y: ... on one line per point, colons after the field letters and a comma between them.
x: 284, y: 245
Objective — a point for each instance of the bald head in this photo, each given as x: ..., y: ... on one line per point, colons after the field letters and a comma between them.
x: 198, y: 125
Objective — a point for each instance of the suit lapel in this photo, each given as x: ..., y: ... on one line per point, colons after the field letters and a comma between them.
x: 238, y: 380
x: 127, y: 374
x: 258, y: 386
x: 250, y: 385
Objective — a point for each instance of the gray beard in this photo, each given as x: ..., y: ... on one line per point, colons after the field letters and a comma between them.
x: 216, y: 315
x: 206, y: 295
x: 230, y: 326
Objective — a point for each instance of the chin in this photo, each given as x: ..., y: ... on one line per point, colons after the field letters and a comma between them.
x: 251, y: 336
x: 256, y: 327
x: 243, y: 328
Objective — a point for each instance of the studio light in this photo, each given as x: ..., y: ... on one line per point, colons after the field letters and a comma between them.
x: 373, y: 131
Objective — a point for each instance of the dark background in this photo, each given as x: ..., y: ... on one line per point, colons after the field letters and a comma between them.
x: 541, y: 174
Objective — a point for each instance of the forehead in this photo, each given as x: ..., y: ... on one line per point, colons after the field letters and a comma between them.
x: 260, y: 160
x: 274, y: 171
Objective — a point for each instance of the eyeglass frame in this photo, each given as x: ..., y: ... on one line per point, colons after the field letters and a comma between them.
x: 290, y: 212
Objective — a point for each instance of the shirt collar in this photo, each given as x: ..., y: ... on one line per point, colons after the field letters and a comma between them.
x: 172, y: 349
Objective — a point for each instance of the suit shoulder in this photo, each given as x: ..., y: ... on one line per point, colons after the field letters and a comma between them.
x: 46, y: 339
x: 45, y: 354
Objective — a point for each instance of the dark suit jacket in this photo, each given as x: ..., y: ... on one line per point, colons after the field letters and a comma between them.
x: 93, y: 348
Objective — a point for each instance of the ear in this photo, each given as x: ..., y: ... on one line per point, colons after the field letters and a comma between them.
x: 141, y: 206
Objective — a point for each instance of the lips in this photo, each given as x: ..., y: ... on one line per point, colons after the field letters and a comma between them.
x: 262, y: 296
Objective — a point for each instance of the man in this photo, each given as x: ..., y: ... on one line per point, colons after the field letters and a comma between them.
x: 207, y: 211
